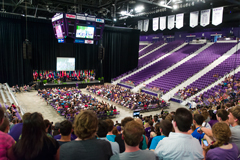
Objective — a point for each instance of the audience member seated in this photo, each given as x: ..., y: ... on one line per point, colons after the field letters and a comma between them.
x: 102, y: 133
x: 165, y: 127
x: 34, y: 143
x: 86, y: 146
x: 118, y: 138
x: 65, y: 130
x: 206, y: 118
x: 132, y: 136
x: 180, y: 145
x: 220, y: 148
x: 6, y: 140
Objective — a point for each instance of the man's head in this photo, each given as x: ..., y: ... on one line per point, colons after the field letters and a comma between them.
x: 182, y: 120
x: 234, y: 116
x: 198, y: 119
x: 85, y: 124
x: 102, y: 129
x: 166, y: 127
x: 222, y: 115
x: 65, y: 128
x: 125, y: 121
x: 132, y: 133
x: 5, y: 126
x: 110, y: 124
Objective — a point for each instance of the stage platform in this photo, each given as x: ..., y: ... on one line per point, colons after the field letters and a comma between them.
x: 80, y: 84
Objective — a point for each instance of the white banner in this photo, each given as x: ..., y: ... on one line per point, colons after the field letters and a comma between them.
x: 155, y: 23
x: 217, y: 16
x: 194, y: 19
x: 171, y: 22
x: 162, y: 23
x: 205, y: 17
x: 145, y: 25
x: 179, y: 20
x: 140, y: 25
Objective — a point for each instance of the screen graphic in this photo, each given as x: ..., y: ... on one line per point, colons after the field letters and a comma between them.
x: 59, y: 31
x: 65, y: 64
x: 85, y: 32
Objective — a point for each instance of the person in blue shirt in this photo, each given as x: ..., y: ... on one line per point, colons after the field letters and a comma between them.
x: 110, y: 136
x: 197, y: 122
x: 165, y: 127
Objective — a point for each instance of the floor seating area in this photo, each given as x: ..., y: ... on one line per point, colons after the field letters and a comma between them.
x: 163, y: 64
x: 191, y: 67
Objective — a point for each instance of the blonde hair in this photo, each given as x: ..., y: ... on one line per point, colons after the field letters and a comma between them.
x: 222, y: 134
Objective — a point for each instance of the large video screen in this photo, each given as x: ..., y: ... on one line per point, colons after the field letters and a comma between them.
x: 84, y: 32
x: 59, y: 31
x: 65, y: 64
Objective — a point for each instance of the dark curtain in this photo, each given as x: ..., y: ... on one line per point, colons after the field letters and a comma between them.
x: 12, y: 67
x: 121, y: 50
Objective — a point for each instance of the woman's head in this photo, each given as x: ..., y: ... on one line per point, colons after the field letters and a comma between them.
x: 221, y: 132
x: 85, y: 124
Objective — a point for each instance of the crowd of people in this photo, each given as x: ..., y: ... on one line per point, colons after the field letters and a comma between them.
x: 186, y: 93
x: 69, y: 102
x: 24, y: 88
x: 227, y: 91
x: 209, y: 133
x: 156, y: 89
x: 126, y: 98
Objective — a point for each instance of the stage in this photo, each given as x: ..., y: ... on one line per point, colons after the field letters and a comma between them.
x: 79, y: 84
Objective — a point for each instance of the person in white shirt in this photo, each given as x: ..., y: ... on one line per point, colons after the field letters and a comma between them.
x: 180, y: 145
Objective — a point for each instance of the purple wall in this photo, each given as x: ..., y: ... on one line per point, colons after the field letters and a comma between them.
x: 181, y: 35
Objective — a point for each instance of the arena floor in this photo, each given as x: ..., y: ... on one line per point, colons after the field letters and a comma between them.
x: 30, y: 102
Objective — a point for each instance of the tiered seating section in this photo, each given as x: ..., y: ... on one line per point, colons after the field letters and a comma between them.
x: 148, y: 49
x: 192, y: 66
x: 163, y: 64
x: 219, y: 71
x: 158, y: 53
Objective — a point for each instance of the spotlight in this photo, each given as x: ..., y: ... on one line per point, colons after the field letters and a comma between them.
x: 175, y: 6
x: 114, y: 19
x: 123, y: 12
x: 139, y: 9
x: 162, y: 3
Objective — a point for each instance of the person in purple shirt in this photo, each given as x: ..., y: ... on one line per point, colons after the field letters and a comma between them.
x: 148, y: 129
x: 16, y: 130
x: 221, y: 148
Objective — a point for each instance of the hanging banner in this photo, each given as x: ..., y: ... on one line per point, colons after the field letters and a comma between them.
x: 155, y: 23
x: 171, y: 21
x: 179, y: 20
x: 217, y: 16
x: 205, y: 17
x: 140, y: 25
x: 145, y: 25
x: 162, y: 23
x: 194, y: 19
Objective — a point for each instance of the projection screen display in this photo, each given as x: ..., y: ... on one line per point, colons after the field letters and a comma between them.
x: 65, y: 64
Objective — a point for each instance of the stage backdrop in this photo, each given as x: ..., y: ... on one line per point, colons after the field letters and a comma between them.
x: 121, y: 50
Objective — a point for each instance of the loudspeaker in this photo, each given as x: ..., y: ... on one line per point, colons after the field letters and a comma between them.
x: 27, y: 50
x: 101, y: 53
x: 24, y: 50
